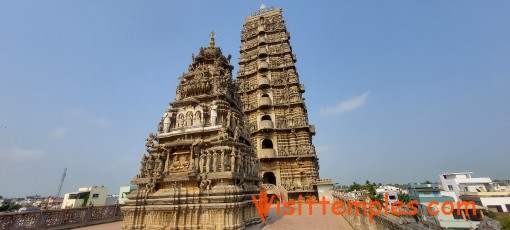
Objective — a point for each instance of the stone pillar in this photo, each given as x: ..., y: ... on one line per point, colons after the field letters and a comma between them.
x: 222, y: 161
x: 232, y: 160
x: 208, y: 162
x: 215, y: 161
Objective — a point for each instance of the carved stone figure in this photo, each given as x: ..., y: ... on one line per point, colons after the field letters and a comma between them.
x: 158, y: 164
x: 167, y: 122
x: 214, y: 114
x: 180, y: 120
x: 143, y: 165
x: 198, y: 118
x: 189, y: 118
x: 150, y: 165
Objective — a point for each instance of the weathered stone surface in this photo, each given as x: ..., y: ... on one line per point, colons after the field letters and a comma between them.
x: 200, y: 170
x: 275, y: 109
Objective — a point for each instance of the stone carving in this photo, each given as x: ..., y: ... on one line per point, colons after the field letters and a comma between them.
x: 143, y: 165
x: 214, y: 114
x: 201, y: 166
x: 167, y: 121
x: 198, y: 118
x: 291, y: 137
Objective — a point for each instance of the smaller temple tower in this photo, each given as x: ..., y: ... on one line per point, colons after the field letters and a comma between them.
x: 200, y: 170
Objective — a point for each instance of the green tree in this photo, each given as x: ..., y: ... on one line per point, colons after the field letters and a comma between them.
x: 403, y: 197
x: 354, y: 187
x: 505, y: 222
x: 377, y: 197
x: 370, y: 188
x: 8, y: 206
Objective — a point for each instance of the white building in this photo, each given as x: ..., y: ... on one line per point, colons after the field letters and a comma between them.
x: 88, y: 195
x: 324, y: 189
x: 481, y: 190
x: 124, y: 191
x: 390, y: 191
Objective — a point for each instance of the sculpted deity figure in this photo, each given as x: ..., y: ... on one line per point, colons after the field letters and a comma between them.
x: 167, y: 122
x: 198, y: 118
x: 222, y: 161
x: 228, y: 119
x: 201, y: 163
x: 143, y: 165
x: 158, y: 164
x: 148, y: 143
x: 236, y: 132
x: 214, y: 114
x: 150, y: 164
x: 150, y: 186
x: 189, y: 118
x: 180, y: 120
x: 232, y: 160
x: 215, y: 161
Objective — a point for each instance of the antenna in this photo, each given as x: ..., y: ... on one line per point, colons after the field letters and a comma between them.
x: 61, y: 183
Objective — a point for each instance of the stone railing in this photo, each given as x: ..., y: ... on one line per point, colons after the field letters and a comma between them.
x: 60, y: 218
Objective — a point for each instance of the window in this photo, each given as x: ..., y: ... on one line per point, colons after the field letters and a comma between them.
x: 266, y: 118
x: 267, y: 144
x: 450, y: 187
x: 95, y: 195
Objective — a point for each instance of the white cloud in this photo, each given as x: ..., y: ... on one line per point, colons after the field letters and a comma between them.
x: 59, y: 133
x: 18, y: 154
x: 347, y: 105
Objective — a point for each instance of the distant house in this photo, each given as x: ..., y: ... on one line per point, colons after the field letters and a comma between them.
x: 480, y: 190
x: 427, y: 194
x: 85, y: 196
x: 55, y: 202
x: 124, y: 191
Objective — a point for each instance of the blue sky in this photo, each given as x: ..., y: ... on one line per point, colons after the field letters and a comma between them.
x: 399, y: 91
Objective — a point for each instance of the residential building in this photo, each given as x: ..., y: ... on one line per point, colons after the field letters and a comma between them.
x: 481, y: 190
x: 324, y: 188
x: 124, y: 191
x: 391, y: 195
x: 86, y: 196
x: 112, y: 199
x: 55, y: 202
x: 426, y: 194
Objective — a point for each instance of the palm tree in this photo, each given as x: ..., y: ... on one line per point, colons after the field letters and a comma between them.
x: 403, y: 197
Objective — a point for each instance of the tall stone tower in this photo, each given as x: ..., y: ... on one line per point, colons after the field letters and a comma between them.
x: 200, y: 170
x: 272, y: 101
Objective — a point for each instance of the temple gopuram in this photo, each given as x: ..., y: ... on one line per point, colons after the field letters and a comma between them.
x: 276, y: 112
x: 200, y: 170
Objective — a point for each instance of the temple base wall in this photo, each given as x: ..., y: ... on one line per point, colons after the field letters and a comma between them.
x: 191, y: 216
